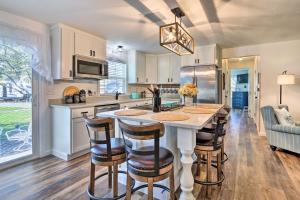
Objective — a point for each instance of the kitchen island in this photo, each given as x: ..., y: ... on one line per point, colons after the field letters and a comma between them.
x: 180, y: 138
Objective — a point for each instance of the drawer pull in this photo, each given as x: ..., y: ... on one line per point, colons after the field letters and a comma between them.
x: 84, y: 113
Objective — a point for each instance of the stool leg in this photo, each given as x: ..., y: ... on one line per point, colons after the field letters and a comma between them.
x: 219, y: 167
x: 150, y: 189
x: 92, y: 179
x: 128, y: 187
x: 115, y: 180
x: 172, y: 186
x: 208, y: 172
x: 109, y: 177
x: 222, y: 149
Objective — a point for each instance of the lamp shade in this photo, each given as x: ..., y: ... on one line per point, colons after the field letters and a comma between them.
x: 286, y: 79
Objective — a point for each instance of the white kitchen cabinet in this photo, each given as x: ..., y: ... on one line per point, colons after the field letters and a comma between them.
x: 67, y: 41
x: 136, y: 67
x: 99, y: 47
x: 80, y: 138
x: 151, y: 68
x: 83, y: 44
x: 88, y: 45
x: 175, y: 65
x: 203, y: 55
x: 163, y: 69
x: 69, y: 134
x: 62, y: 40
x: 189, y: 60
x: 169, y: 69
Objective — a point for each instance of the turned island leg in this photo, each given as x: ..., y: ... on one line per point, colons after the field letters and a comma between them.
x: 186, y: 143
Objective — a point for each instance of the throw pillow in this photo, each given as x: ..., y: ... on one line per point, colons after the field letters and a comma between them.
x: 284, y: 117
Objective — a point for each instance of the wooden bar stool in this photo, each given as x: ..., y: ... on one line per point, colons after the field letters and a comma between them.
x: 148, y: 164
x: 210, y: 128
x: 105, y: 151
x: 209, y: 145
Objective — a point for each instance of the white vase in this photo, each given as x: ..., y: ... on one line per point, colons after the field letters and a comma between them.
x: 187, y: 100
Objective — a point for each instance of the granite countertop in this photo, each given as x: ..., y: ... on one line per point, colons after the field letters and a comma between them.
x: 195, y: 121
x: 100, y: 102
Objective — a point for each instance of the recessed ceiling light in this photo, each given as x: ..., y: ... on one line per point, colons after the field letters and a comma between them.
x: 120, y: 48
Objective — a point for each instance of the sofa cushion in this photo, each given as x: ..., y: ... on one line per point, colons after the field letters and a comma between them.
x: 286, y: 129
x: 284, y: 117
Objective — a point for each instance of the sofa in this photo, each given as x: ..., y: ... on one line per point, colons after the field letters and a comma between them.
x: 279, y: 136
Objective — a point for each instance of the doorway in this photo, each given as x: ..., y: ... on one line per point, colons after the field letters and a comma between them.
x: 242, y: 84
x: 16, y: 108
x: 239, y: 89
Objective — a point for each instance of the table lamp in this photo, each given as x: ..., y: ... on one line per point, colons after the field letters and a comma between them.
x: 285, y: 79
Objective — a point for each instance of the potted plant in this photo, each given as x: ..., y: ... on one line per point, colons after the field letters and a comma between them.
x: 188, y: 91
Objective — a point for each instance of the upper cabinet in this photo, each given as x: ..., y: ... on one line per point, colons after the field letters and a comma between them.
x: 136, y: 67
x: 169, y: 69
x: 163, y: 68
x: 151, y: 68
x: 66, y: 42
x: 62, y: 51
x: 88, y: 45
x: 175, y: 65
x: 203, y: 55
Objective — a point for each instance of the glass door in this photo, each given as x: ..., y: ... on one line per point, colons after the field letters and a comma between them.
x: 16, y: 110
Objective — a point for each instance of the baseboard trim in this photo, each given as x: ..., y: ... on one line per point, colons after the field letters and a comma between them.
x: 68, y: 157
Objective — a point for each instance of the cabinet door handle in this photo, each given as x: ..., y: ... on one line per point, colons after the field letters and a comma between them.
x: 171, y: 79
x: 71, y: 73
x: 168, y: 80
x: 137, y: 79
x: 84, y: 113
x: 94, y: 53
x: 147, y: 80
x: 91, y: 53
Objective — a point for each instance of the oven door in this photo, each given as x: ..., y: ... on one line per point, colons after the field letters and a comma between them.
x: 89, y: 68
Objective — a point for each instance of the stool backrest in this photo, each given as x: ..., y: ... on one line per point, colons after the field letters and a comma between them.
x: 143, y: 132
x: 218, y: 131
x: 99, y: 132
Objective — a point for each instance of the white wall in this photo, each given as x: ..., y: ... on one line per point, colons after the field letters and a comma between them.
x: 274, y: 59
x: 55, y: 91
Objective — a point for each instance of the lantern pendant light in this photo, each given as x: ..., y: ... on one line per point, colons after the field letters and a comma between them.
x: 174, y: 37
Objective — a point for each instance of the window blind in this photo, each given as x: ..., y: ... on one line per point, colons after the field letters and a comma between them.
x: 116, y: 78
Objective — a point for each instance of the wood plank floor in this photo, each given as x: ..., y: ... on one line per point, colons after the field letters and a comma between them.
x: 253, y: 171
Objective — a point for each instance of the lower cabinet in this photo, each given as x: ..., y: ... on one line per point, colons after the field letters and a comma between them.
x: 69, y: 134
x: 80, y: 138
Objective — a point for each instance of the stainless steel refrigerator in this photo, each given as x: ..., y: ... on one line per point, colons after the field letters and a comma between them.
x: 208, y: 80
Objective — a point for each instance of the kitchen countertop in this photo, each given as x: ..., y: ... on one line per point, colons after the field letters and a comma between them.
x: 98, y: 103
x: 195, y: 121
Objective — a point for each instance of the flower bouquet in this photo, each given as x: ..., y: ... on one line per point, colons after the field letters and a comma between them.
x: 188, y: 90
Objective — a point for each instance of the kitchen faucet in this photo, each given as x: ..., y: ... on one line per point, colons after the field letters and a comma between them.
x: 117, y: 94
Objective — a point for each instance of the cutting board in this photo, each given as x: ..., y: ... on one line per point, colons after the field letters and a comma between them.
x: 130, y: 112
x: 70, y: 91
x: 170, y: 116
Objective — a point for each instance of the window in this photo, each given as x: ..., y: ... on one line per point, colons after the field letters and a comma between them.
x: 116, y: 78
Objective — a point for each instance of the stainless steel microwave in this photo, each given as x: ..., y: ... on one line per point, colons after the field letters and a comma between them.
x: 89, y: 68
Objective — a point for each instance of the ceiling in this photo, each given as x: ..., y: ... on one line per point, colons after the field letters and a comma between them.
x: 135, y: 23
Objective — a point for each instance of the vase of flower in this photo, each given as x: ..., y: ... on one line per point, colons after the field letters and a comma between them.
x: 188, y: 92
